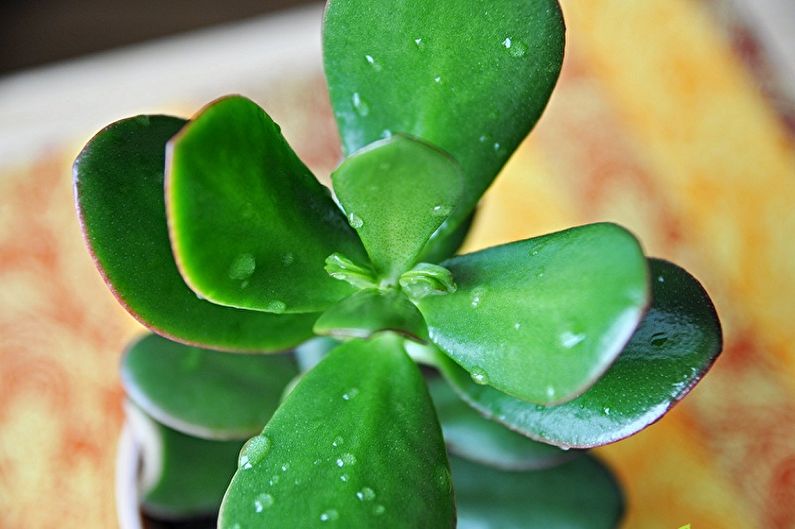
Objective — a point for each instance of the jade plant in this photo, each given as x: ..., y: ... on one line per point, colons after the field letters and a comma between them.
x: 379, y: 380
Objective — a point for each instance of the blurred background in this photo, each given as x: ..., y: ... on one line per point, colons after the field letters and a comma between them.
x: 675, y: 118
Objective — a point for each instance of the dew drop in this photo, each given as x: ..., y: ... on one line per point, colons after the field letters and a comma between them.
x: 658, y: 339
x: 437, y: 79
x: 607, y: 411
x: 550, y: 392
x: 366, y: 494
x: 285, y: 467
x: 386, y: 133
x: 253, y: 451
x: 288, y: 259
x: 346, y: 459
x: 483, y: 138
x: 479, y: 376
x: 262, y: 502
x: 496, y: 147
x: 517, y: 325
x: 274, y: 480
x: 355, y: 221
x: 378, y: 510
x: 660, y: 279
x: 242, y: 267
x: 569, y: 339
x: 337, y: 441
x: 345, y: 477
x: 350, y: 394
x: 360, y: 105
x: 441, y: 210
x: 329, y: 515
x: 518, y: 49
x: 372, y: 62
x: 276, y: 306
x: 419, y: 43
x: 443, y: 479
x: 477, y: 297
x: 507, y: 43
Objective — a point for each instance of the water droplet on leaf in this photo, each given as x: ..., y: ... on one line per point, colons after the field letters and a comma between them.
x: 366, y: 494
x: 479, y: 376
x: 329, y: 515
x: 360, y: 105
x: 262, y: 502
x: 441, y: 210
x: 569, y: 339
x: 355, y: 221
x: 242, y: 267
x: 477, y: 297
x: 253, y: 451
x: 276, y: 306
x: 378, y: 510
x: 350, y: 394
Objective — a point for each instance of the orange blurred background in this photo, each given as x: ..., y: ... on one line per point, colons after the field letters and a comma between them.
x: 672, y: 117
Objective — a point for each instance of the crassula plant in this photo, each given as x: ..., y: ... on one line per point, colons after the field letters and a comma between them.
x: 215, y: 235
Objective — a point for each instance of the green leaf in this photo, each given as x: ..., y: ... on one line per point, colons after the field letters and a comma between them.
x: 369, y: 311
x: 119, y: 193
x: 172, y: 482
x: 671, y: 350
x: 475, y: 438
x: 356, y: 444
x: 310, y: 353
x: 580, y: 494
x: 397, y: 193
x: 205, y: 393
x: 250, y: 226
x: 470, y: 77
x: 542, y: 319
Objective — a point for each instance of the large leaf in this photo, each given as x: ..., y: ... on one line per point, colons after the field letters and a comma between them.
x: 541, y: 319
x: 205, y: 393
x: 671, y: 350
x: 369, y: 311
x: 181, y: 476
x: 356, y: 444
x: 580, y: 494
x: 250, y: 226
x: 471, y: 436
x: 470, y: 77
x: 397, y: 193
x: 119, y: 193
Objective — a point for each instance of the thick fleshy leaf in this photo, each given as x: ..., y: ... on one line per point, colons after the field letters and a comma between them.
x: 471, y: 436
x: 250, y: 226
x: 119, y: 194
x: 310, y: 353
x: 580, y: 494
x: 541, y: 319
x: 205, y: 393
x: 470, y: 77
x: 356, y: 444
x: 671, y: 350
x: 181, y: 476
x: 397, y: 192
x: 369, y: 311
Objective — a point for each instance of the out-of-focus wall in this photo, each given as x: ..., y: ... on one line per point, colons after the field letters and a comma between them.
x: 667, y: 119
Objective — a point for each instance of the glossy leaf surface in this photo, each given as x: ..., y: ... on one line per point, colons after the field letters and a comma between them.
x: 250, y: 226
x: 119, y: 193
x: 469, y: 77
x: 541, y: 319
x: 356, y: 444
x: 671, y: 350
x: 181, y: 476
x: 205, y: 393
x: 369, y: 311
x: 396, y: 193
x: 445, y: 242
x: 580, y: 494
x: 475, y: 438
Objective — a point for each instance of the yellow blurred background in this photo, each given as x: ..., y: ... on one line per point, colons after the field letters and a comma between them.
x: 667, y: 119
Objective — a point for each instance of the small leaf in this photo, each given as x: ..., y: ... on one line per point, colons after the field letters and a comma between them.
x: 355, y: 445
x: 471, y: 436
x: 172, y: 484
x: 369, y: 311
x: 343, y: 269
x: 205, y: 393
x: 542, y: 319
x: 427, y: 279
x: 396, y: 193
x: 119, y: 194
x: 580, y: 494
x: 668, y: 354
x: 471, y: 78
x: 250, y: 225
